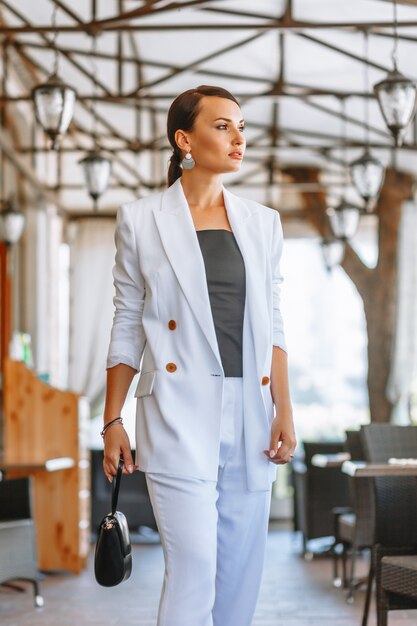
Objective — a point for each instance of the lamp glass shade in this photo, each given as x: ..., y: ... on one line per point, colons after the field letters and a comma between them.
x: 12, y: 223
x: 54, y: 106
x: 396, y: 96
x: 367, y: 175
x: 333, y: 251
x: 97, y: 170
x: 344, y: 220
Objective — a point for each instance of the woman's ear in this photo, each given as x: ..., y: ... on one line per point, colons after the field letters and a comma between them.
x: 182, y: 141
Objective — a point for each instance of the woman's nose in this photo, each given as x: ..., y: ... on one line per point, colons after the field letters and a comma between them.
x: 239, y: 138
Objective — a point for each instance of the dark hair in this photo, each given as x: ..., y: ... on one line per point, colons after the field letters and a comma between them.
x: 182, y: 114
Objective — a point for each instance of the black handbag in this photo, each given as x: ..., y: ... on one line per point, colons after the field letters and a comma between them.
x: 113, y: 555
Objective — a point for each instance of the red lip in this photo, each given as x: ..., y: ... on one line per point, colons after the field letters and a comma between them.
x: 236, y: 155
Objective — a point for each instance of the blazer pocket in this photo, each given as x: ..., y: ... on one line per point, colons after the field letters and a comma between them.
x: 145, y: 384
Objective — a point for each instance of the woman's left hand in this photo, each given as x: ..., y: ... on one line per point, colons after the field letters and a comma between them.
x: 282, y: 432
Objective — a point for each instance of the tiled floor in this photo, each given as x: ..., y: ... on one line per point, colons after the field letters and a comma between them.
x: 294, y: 593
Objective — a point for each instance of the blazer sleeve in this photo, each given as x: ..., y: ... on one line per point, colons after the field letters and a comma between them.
x: 277, y: 279
x: 127, y: 339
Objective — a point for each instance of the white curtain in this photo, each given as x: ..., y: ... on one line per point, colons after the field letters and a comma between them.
x: 92, y: 253
x: 404, y: 362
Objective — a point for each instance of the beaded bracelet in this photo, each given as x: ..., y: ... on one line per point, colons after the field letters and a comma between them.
x: 117, y: 420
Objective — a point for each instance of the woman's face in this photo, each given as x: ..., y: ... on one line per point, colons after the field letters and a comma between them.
x: 217, y: 142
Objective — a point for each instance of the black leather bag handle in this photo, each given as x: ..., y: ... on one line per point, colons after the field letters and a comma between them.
x: 116, y: 486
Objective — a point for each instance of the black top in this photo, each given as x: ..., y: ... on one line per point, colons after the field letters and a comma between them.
x: 225, y: 272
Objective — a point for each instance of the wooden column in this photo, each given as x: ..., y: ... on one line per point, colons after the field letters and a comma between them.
x: 377, y: 286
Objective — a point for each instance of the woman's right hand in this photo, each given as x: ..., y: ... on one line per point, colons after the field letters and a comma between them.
x: 117, y: 444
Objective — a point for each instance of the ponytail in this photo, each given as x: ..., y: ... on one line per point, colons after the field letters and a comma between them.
x: 175, y: 169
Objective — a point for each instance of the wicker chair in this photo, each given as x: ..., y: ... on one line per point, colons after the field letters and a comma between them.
x: 18, y: 559
x: 395, y: 539
x: 398, y: 579
x: 354, y: 530
x: 317, y: 492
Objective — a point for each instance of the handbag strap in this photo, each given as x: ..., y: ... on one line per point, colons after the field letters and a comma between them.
x: 116, y: 486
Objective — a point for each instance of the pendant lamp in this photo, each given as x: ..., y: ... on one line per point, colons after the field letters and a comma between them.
x: 367, y: 171
x: 54, y: 107
x: 97, y: 170
x: 12, y: 223
x: 344, y: 220
x: 96, y: 167
x: 368, y: 175
x: 396, y: 95
x: 54, y: 101
x: 333, y: 251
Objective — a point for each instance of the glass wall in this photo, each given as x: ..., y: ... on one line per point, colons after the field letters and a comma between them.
x: 326, y: 336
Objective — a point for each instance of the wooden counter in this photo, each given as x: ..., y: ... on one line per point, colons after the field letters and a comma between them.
x: 49, y: 465
x: 45, y: 435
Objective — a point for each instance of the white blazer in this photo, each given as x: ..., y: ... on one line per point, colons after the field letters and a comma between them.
x: 163, y: 327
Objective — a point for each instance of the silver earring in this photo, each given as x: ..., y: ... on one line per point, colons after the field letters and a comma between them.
x: 188, y: 162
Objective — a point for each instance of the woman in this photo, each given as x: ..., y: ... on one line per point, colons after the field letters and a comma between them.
x: 197, y: 313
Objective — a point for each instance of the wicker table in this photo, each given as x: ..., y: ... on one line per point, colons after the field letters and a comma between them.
x: 330, y: 460
x: 375, y: 470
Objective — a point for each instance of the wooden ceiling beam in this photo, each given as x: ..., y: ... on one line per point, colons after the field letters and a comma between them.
x: 280, y: 25
x: 298, y: 90
x: 61, y: 5
x: 151, y: 8
x: 137, y: 147
x: 400, y: 37
x: 348, y: 118
x: 305, y: 187
x: 128, y: 100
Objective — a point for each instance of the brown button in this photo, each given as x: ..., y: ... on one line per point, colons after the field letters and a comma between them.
x: 265, y: 380
x: 172, y: 324
x: 171, y: 367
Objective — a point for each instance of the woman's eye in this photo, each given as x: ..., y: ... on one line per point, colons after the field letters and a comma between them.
x: 241, y: 128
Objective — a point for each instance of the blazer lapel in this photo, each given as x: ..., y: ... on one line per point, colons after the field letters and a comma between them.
x: 245, y: 221
x: 179, y: 239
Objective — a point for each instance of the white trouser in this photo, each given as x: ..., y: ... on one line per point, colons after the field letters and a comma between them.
x: 213, y: 534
